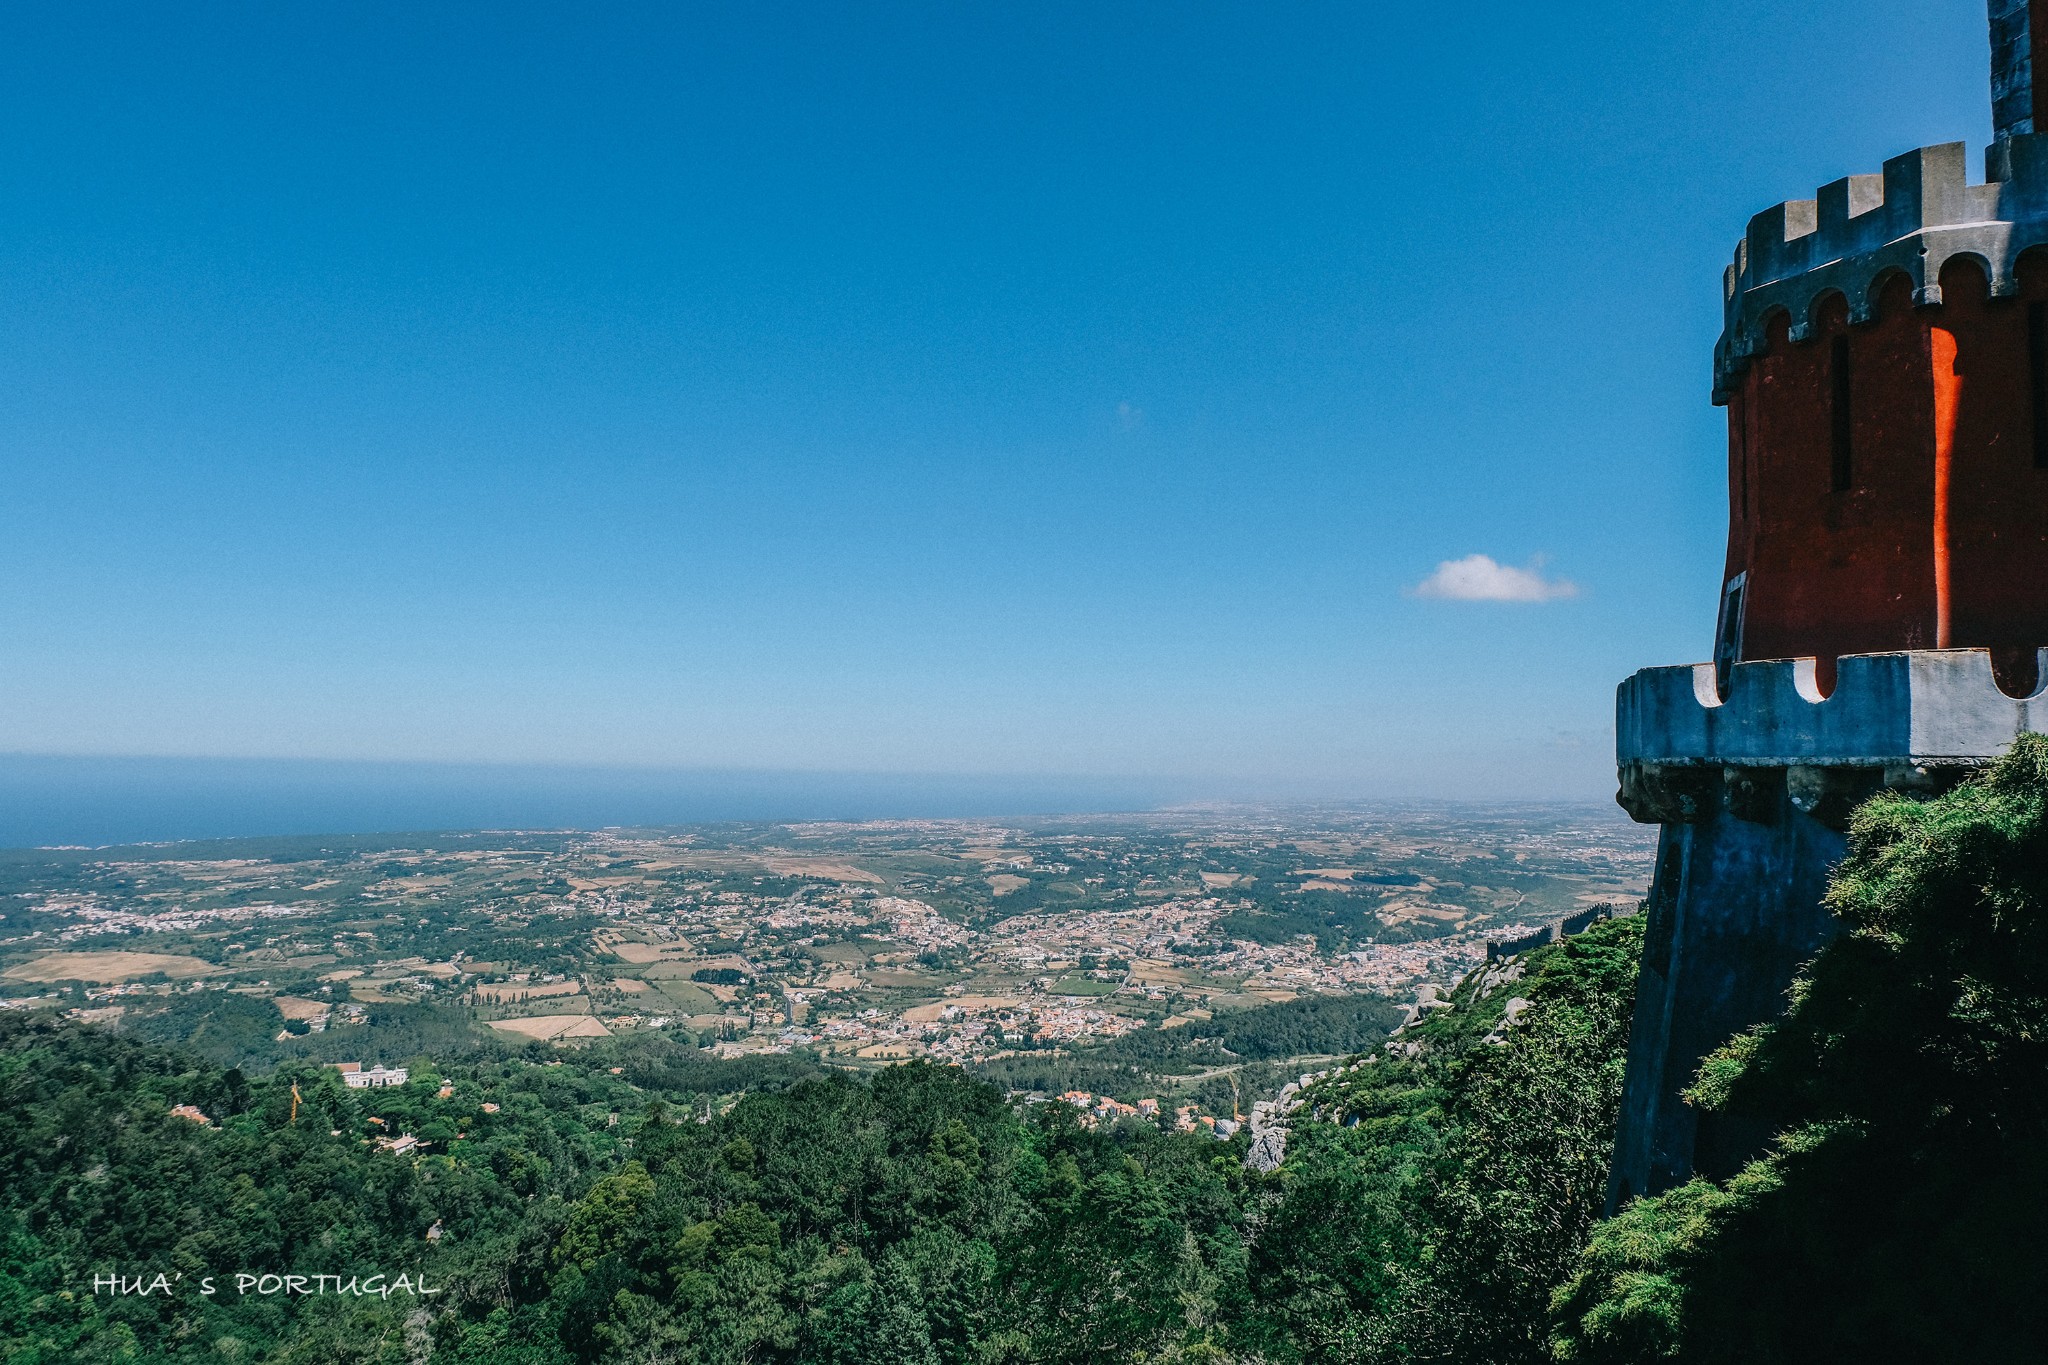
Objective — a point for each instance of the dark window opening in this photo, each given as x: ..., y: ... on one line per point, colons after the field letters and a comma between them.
x: 2037, y: 371
x: 1844, y: 470
x: 1728, y: 632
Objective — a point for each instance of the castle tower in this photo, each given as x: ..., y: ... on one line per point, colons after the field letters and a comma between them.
x: 1885, y: 370
x: 1884, y: 607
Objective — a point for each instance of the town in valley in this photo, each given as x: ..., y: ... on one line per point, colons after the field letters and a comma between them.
x: 1143, y: 958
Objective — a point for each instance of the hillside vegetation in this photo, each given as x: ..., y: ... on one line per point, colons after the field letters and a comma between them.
x: 1899, y: 1214
x: 1450, y: 1185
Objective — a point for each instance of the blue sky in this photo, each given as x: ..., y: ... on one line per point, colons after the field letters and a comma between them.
x: 1040, y: 389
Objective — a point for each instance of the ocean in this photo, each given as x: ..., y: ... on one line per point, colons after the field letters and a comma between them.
x: 53, y: 800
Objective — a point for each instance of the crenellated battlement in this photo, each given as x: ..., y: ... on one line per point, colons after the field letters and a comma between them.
x: 1917, y: 215
x: 1920, y: 709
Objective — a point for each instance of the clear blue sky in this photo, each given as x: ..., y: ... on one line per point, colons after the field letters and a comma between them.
x: 946, y: 388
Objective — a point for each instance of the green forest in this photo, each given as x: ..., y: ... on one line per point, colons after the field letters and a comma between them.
x: 1440, y: 1199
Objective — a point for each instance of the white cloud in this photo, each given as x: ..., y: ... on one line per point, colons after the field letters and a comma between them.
x: 1480, y: 578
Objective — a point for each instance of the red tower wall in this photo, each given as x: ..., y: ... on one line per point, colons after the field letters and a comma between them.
x: 1940, y: 538
x: 1998, y: 494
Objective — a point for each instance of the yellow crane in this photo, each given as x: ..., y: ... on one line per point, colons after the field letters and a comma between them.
x: 295, y: 1104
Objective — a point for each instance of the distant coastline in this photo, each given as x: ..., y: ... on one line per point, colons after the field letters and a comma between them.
x: 85, y: 801
x: 91, y: 801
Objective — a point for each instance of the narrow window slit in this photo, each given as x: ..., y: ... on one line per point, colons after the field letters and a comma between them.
x: 1741, y: 425
x: 2037, y: 373
x: 1843, y: 473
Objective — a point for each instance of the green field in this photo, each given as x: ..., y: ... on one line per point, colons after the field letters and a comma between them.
x: 686, y: 997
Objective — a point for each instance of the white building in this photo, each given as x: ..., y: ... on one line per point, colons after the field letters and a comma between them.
x: 376, y: 1078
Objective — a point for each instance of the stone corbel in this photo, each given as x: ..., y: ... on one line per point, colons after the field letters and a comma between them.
x: 1670, y: 794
